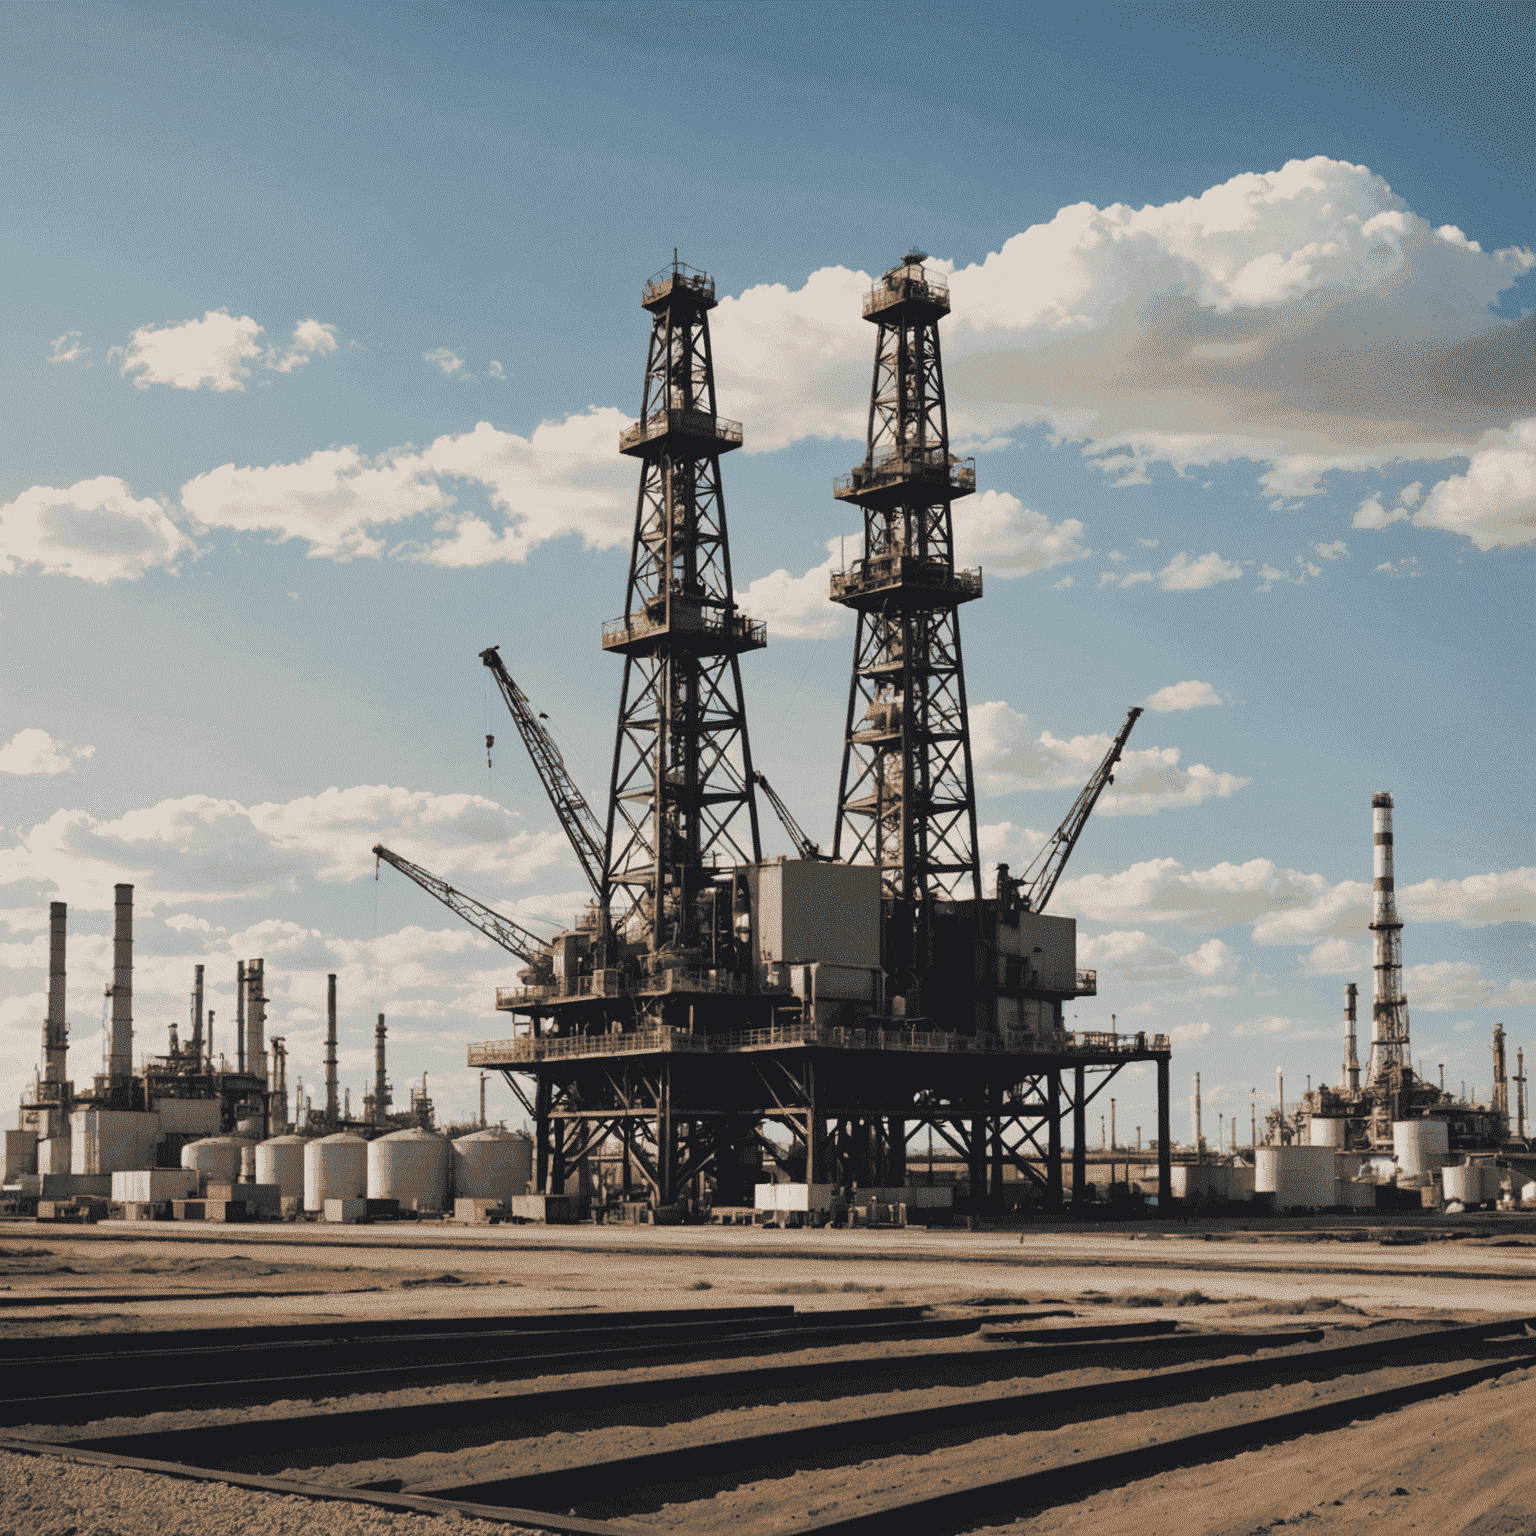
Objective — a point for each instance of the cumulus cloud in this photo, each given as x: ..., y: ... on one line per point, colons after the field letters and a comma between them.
x: 67, y: 348
x: 1448, y: 986
x: 199, y: 848
x: 1494, y: 502
x: 1136, y: 957
x: 216, y: 352
x: 798, y: 607
x: 1008, y: 756
x: 1337, y: 550
x: 1187, y: 695
x: 1189, y: 1034
x: 1407, y: 567
x: 999, y: 533
x: 1273, y: 1025
x: 494, y: 370
x: 1182, y: 574
x: 95, y: 530
x: 35, y: 751
x: 445, y: 358
x: 1306, y: 570
x: 565, y: 478
x: 1304, y: 319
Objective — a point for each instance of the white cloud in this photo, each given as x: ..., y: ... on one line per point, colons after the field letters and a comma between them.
x: 1008, y: 757
x: 798, y: 607
x: 1336, y: 957
x: 95, y: 530
x: 1187, y: 695
x: 1494, y: 503
x: 198, y: 848
x: 1372, y: 514
x: 1062, y: 585
x: 999, y: 533
x: 1188, y: 1034
x: 494, y: 370
x: 34, y: 751
x: 449, y: 361
x: 566, y: 477
x: 1136, y: 957
x: 1407, y: 567
x: 216, y: 352
x: 1410, y: 495
x: 310, y: 339
x: 1306, y: 570
x: 1338, y: 549
x: 1273, y: 1025
x: 1182, y: 574
x: 1150, y: 543
x: 67, y: 348
x: 1448, y: 986
x: 1304, y: 319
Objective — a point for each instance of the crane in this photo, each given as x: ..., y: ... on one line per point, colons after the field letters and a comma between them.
x: 1033, y: 888
x: 797, y: 835
x: 581, y: 826
x: 528, y: 947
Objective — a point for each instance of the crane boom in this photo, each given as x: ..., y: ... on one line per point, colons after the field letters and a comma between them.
x: 588, y: 839
x: 1035, y: 885
x: 528, y: 947
x: 797, y: 834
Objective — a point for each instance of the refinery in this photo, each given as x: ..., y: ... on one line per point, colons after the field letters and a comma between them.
x: 723, y: 1035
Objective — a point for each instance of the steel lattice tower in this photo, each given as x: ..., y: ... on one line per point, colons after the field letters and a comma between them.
x: 906, y: 800
x: 681, y: 806
x: 1389, y: 1008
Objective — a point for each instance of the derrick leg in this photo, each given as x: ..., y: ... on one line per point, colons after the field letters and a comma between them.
x: 1079, y: 1138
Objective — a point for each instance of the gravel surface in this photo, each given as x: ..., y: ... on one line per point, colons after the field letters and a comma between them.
x: 42, y: 1496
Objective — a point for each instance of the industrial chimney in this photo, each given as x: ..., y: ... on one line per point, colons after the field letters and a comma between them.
x: 332, y: 1108
x: 1389, y: 1010
x: 120, y: 1047
x: 55, y: 1030
x: 380, y: 1081
x: 1351, y: 1055
x: 256, y: 1018
x: 197, y: 1020
x: 240, y: 1016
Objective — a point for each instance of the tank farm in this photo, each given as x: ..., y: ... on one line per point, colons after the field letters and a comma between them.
x: 781, y: 1212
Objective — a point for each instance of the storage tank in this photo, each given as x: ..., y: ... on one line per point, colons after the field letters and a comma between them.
x: 215, y: 1158
x: 1297, y: 1177
x: 247, y: 1145
x: 410, y: 1166
x: 1420, y: 1145
x: 335, y: 1168
x: 280, y: 1161
x: 492, y: 1165
x: 1325, y: 1133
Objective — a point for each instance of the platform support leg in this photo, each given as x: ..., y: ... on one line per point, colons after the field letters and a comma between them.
x: 1053, y: 1140
x: 1164, y: 1147
x: 1079, y: 1137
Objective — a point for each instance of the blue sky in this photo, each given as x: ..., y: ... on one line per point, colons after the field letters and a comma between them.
x: 324, y: 321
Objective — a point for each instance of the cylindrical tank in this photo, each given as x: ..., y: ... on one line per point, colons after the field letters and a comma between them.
x: 1463, y: 1183
x: 335, y: 1168
x: 1420, y: 1144
x: 280, y: 1161
x: 410, y: 1166
x: 1297, y: 1177
x: 1325, y: 1133
x: 216, y: 1159
x: 492, y: 1165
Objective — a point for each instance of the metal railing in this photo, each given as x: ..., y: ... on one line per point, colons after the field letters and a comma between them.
x: 681, y: 276
x: 686, y: 620
x: 694, y: 423
x: 906, y: 283
x: 1010, y: 1043
x: 723, y: 982
x: 932, y: 466
x: 913, y: 570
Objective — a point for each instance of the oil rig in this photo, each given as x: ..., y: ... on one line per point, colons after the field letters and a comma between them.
x: 714, y: 1009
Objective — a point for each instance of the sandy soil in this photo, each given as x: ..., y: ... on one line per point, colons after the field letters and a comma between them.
x: 45, y: 1497
x: 1458, y: 1466
x: 398, y: 1272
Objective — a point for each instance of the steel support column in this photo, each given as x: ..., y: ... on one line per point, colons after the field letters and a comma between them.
x: 1164, y: 1149
x: 1079, y: 1136
x: 1053, y: 1142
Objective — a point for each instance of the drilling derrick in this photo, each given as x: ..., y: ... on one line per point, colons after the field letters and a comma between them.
x: 906, y: 801
x: 681, y: 808
x: 1389, y: 1008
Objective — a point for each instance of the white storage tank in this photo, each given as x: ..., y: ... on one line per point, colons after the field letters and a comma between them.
x: 1325, y: 1133
x: 215, y: 1158
x: 411, y: 1166
x: 1420, y: 1145
x: 335, y: 1168
x: 492, y: 1165
x: 247, y: 1147
x: 1298, y: 1177
x: 280, y: 1161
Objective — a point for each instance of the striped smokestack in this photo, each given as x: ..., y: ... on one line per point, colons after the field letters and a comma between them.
x: 1389, y: 1009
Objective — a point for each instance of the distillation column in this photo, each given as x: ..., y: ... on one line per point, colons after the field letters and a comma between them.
x: 381, y: 1094
x: 1351, y: 1052
x: 120, y: 1048
x: 256, y: 1018
x: 1389, y: 1009
x: 197, y: 1020
x: 55, y: 1030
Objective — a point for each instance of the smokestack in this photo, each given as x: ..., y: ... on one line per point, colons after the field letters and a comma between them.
x: 1280, y: 1105
x: 331, y: 1106
x: 197, y: 1020
x: 55, y: 1030
x: 1500, y: 1079
x: 1199, y: 1134
x: 120, y: 1050
x: 256, y: 1018
x: 484, y: 1075
x: 381, y: 1082
x: 1351, y: 1056
x: 1389, y: 1008
x: 279, y: 1101
x: 1520, y: 1092
x: 240, y: 1017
